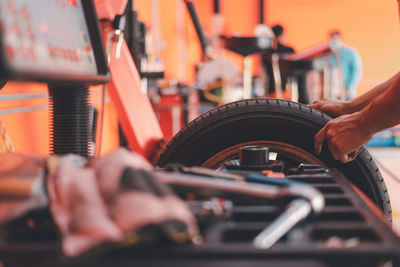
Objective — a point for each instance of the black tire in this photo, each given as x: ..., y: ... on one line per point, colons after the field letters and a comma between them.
x: 269, y: 119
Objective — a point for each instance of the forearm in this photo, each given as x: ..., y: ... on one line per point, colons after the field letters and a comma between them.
x: 384, y: 110
x: 365, y: 99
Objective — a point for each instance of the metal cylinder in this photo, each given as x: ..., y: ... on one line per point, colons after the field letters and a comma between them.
x: 69, y: 119
x: 253, y: 155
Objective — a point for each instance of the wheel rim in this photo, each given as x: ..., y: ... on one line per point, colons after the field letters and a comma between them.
x: 282, y: 149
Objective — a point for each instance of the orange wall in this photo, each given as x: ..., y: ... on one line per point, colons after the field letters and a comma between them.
x: 168, y: 18
x: 371, y: 26
x: 29, y: 131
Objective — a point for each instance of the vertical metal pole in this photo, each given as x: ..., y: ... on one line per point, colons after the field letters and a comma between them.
x: 132, y: 34
x: 295, y: 90
x: 327, y: 78
x: 176, y: 112
x: 276, y: 72
x: 216, y: 7
x: 197, y: 25
x: 247, y: 77
x: 341, y: 85
x: 181, y: 41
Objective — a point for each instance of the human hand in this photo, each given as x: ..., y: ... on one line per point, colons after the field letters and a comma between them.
x: 344, y: 135
x: 331, y: 107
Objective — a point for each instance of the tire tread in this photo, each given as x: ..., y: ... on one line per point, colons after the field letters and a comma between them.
x: 278, y: 106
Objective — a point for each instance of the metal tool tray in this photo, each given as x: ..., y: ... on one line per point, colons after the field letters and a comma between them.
x: 229, y: 242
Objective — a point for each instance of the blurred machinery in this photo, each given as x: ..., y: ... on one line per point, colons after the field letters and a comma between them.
x: 311, y: 72
x: 218, y: 81
x: 257, y: 214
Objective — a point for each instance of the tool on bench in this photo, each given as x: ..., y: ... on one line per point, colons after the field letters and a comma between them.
x: 306, y: 200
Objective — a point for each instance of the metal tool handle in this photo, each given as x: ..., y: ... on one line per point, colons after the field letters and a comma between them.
x: 297, y: 210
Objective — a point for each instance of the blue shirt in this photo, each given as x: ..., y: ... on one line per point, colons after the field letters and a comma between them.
x: 350, y: 64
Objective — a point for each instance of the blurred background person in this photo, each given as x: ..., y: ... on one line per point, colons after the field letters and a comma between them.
x: 280, y: 36
x: 346, y: 59
x: 282, y: 48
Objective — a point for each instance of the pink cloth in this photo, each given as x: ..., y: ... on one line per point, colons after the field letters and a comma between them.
x: 110, y: 167
x: 90, y: 206
x: 77, y: 207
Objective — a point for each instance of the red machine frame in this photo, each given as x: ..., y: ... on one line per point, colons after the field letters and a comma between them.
x: 137, y: 118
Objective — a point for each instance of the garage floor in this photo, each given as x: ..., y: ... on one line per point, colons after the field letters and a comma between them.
x: 388, y: 160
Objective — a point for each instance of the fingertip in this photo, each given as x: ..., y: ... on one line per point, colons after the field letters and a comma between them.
x: 317, y: 147
x: 344, y: 159
x: 318, y: 152
x: 319, y: 138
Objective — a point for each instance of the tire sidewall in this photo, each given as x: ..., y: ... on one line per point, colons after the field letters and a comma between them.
x: 273, y: 120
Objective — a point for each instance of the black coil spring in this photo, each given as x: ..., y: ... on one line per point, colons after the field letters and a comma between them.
x: 69, y: 119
